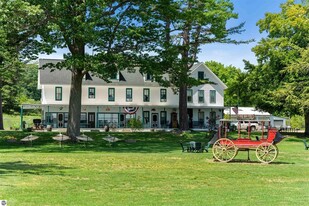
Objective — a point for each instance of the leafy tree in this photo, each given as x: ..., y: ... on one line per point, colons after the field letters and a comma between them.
x: 29, y: 83
x: 16, y: 36
x: 187, y: 25
x: 237, y: 93
x: 111, y: 30
x: 282, y: 72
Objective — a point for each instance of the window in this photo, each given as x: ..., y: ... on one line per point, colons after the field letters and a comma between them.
x: 189, y: 95
x: 212, y: 96
x: 91, y: 93
x: 58, y: 93
x: 200, y: 75
x: 146, y: 95
x: 148, y: 77
x: 83, y: 120
x: 163, y: 95
x: 129, y: 95
x: 200, y: 96
x: 111, y: 94
x: 108, y: 119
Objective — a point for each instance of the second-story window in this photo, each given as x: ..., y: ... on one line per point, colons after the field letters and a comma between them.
x: 190, y: 95
x: 129, y: 95
x: 91, y: 93
x: 200, y: 75
x: 163, y: 95
x: 146, y: 95
x: 111, y: 94
x: 200, y: 96
x: 212, y: 96
x: 58, y: 93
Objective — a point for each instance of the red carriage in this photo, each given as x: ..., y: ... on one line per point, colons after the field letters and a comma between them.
x: 225, y: 149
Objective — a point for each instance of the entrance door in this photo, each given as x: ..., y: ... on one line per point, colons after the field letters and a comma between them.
x: 91, y: 120
x: 201, y: 119
x: 154, y: 120
x: 122, y: 122
x: 60, y: 120
x: 174, y: 120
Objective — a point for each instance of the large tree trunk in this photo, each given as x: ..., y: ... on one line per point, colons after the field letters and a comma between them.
x: 307, y: 122
x: 73, y: 129
x: 183, y: 113
x: 1, y: 112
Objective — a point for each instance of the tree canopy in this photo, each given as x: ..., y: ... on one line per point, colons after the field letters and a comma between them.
x: 282, y: 71
x: 102, y: 37
x: 17, y: 35
x: 237, y: 93
x: 186, y: 26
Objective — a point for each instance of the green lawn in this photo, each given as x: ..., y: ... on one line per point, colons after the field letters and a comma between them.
x: 152, y: 171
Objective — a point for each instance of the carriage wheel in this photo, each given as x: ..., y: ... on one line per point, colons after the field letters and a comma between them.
x: 224, y: 150
x: 266, y: 152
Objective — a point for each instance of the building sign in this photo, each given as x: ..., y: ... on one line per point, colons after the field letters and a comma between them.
x: 31, y: 106
x: 246, y: 116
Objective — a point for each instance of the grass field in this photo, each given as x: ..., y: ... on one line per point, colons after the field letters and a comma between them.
x: 152, y: 171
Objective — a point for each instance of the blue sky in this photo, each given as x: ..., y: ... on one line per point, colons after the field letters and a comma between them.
x: 249, y: 11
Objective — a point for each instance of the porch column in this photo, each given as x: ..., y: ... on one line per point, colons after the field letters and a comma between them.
x: 119, y: 112
x: 97, y: 118
x: 48, y: 115
x: 21, y: 117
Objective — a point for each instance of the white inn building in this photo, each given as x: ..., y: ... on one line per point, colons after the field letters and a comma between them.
x: 129, y: 95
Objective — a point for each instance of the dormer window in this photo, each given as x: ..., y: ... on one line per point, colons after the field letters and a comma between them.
x: 148, y: 77
x: 115, y: 76
x: 200, y: 75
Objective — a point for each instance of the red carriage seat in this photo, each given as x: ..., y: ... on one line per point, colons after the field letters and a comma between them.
x: 274, y: 136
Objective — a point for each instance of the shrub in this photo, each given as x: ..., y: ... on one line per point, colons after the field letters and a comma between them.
x: 135, y: 124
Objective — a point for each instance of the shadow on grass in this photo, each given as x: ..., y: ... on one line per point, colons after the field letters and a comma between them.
x: 119, y: 147
x: 245, y: 161
x: 144, y: 142
x: 21, y: 167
